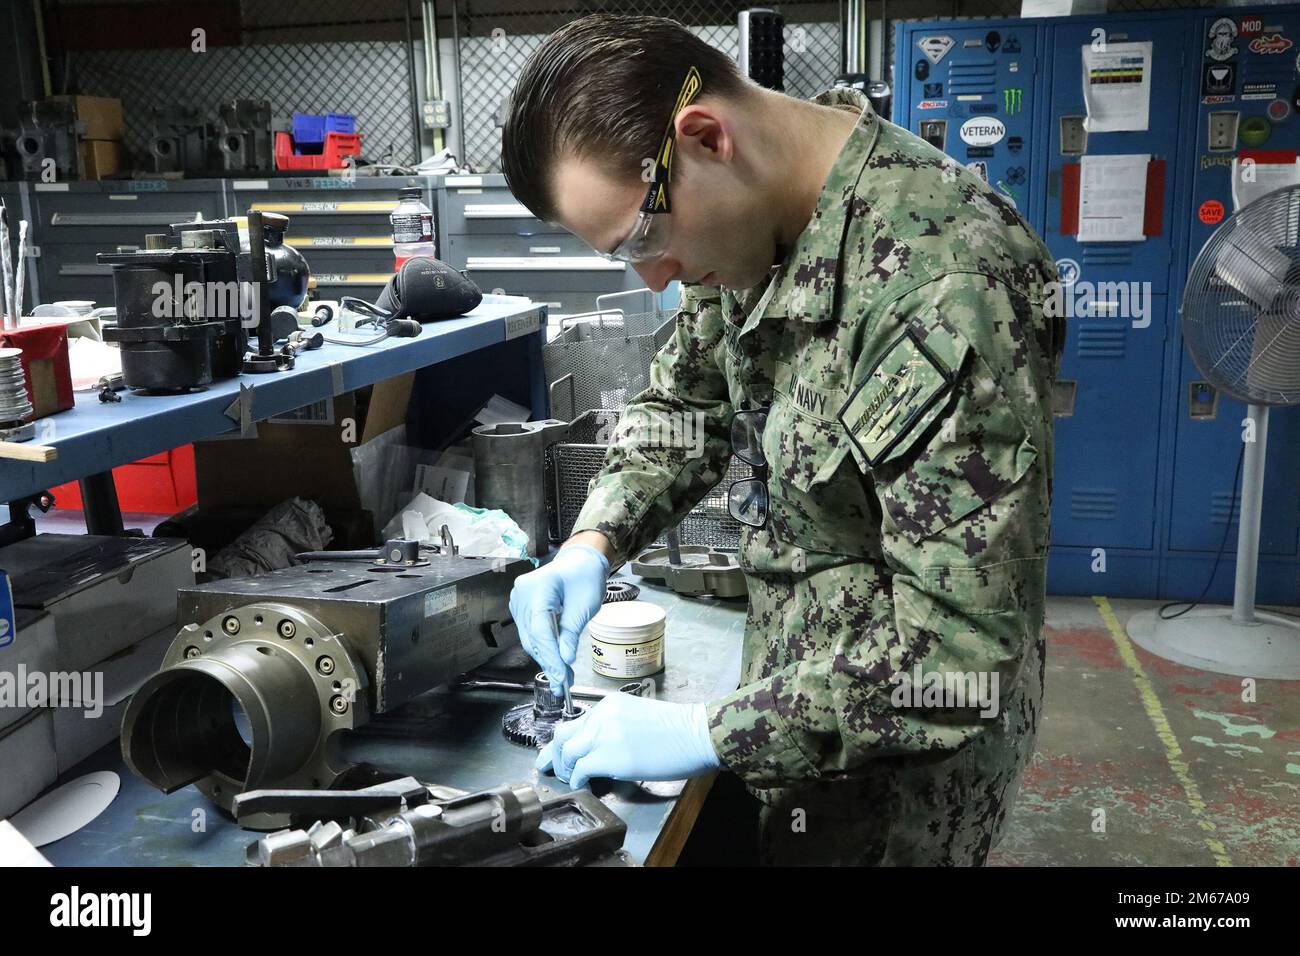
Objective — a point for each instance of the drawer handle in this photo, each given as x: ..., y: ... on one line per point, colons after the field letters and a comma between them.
x: 497, y: 211
x: 538, y: 264
x: 122, y: 218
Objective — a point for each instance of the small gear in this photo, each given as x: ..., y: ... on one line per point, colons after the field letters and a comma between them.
x: 523, y: 725
x: 533, y: 725
x: 620, y: 591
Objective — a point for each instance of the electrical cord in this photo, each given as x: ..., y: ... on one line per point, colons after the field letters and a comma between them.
x: 1223, y: 543
x: 392, y: 328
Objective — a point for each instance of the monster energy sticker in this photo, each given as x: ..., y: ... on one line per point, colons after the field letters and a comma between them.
x: 898, y: 397
x: 1013, y: 100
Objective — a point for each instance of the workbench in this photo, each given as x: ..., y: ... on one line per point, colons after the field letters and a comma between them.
x: 449, y: 737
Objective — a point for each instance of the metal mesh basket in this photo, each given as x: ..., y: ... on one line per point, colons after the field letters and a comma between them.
x: 571, y: 464
x: 603, y: 360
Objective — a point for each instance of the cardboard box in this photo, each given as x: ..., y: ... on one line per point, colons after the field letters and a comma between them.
x: 77, y: 734
x: 308, y: 458
x: 33, y: 649
x: 27, y: 756
x: 105, y: 594
x: 102, y: 116
x: 100, y: 158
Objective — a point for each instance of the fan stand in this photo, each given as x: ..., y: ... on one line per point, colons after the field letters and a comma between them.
x: 1238, y: 640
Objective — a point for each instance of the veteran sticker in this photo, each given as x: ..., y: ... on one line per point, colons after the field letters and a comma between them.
x: 898, y: 398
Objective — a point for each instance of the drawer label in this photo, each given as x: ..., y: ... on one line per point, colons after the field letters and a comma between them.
x: 351, y: 278
x: 331, y: 241
x: 518, y: 325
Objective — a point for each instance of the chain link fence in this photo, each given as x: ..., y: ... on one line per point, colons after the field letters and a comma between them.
x: 307, y: 56
x: 318, y: 56
x: 493, y: 46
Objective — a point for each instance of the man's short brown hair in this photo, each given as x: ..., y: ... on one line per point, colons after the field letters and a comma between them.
x: 603, y: 88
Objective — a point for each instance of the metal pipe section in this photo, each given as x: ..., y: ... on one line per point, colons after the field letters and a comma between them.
x: 1252, y: 501
x: 509, y: 466
x: 184, y: 722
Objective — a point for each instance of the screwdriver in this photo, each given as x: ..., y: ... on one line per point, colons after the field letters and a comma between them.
x: 569, y: 712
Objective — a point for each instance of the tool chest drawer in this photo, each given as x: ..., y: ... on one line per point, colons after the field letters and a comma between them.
x: 460, y: 249
x: 340, y: 226
x: 483, y: 206
x: 524, y: 276
x: 75, y: 221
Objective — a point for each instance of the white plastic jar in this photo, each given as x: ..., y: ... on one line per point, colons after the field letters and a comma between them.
x: 627, y: 639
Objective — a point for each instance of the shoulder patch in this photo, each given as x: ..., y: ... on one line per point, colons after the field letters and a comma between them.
x: 898, y: 398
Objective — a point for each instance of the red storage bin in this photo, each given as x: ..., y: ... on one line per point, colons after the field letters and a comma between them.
x: 161, y: 484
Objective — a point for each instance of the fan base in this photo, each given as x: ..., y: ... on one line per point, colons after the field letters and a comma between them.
x: 1209, y: 640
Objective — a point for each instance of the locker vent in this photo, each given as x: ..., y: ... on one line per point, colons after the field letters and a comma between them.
x: 1115, y: 254
x: 1094, y: 504
x: 972, y: 78
x: 1097, y: 340
x: 1224, y: 509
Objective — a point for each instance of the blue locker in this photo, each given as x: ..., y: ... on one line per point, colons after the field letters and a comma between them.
x: 1118, y: 320
x: 1145, y: 456
x: 973, y: 95
x: 1242, y: 99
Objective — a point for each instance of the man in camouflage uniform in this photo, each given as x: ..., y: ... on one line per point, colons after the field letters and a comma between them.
x: 906, y: 355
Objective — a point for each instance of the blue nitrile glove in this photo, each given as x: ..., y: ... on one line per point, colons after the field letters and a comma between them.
x: 631, y: 738
x: 572, y: 584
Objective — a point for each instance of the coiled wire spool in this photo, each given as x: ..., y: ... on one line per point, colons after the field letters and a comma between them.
x: 15, y: 406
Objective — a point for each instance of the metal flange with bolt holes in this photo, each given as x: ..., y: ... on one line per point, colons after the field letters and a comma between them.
x: 264, y: 663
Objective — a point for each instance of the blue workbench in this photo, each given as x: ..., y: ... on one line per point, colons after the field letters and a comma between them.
x: 94, y: 436
x: 448, y: 737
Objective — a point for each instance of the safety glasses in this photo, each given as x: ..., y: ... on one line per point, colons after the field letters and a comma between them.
x: 649, y: 235
x: 747, y: 498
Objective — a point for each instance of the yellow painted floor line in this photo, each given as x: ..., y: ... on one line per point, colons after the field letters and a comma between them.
x: 1173, y: 752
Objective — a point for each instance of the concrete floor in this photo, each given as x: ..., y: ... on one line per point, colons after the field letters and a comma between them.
x: 1186, y: 772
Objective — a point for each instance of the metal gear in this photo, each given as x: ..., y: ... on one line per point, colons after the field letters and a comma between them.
x: 533, y: 725
x: 620, y: 591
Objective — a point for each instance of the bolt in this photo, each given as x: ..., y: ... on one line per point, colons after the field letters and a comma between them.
x: 325, y: 665
x: 230, y: 625
x: 338, y: 704
x: 192, y: 651
x: 287, y: 629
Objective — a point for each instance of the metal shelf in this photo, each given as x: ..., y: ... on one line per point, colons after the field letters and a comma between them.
x: 94, y: 437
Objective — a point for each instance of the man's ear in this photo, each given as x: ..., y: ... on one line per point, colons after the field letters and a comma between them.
x: 703, y: 133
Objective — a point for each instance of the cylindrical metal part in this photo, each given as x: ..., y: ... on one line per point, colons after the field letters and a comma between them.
x: 1252, y: 500
x: 183, y: 722
x: 246, y: 706
x: 509, y: 464
x: 15, y: 405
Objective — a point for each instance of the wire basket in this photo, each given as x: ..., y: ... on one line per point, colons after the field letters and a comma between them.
x: 602, y: 359
x: 572, y: 464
